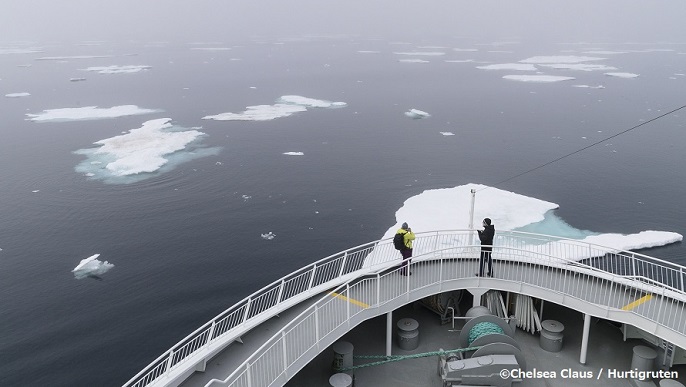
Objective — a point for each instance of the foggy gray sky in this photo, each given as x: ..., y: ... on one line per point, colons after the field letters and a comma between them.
x: 229, y: 21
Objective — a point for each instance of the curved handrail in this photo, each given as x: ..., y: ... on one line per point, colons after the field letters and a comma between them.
x: 276, y: 346
x: 337, y: 268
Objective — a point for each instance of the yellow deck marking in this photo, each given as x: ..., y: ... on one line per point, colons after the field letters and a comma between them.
x: 638, y: 302
x: 350, y: 300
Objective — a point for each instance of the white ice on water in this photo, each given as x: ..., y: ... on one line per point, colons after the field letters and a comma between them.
x: 538, y: 78
x: 115, y: 69
x: 17, y: 95
x: 12, y: 50
x: 448, y: 209
x: 559, y: 59
x: 294, y: 153
x: 421, y: 53
x: 59, y: 58
x: 509, y: 66
x: 447, y: 133
x: 141, y: 151
x: 622, y: 75
x: 268, y: 236
x: 417, y: 114
x: 416, y: 60
x: 90, y: 267
x: 285, y: 106
x: 580, y: 66
x: 88, y: 113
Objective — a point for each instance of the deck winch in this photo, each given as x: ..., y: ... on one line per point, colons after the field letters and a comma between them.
x: 492, y: 363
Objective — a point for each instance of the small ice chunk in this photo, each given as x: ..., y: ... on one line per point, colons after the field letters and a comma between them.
x: 76, y: 79
x: 294, y: 153
x: 590, y: 87
x: 114, y: 69
x: 460, y: 61
x: 309, y: 102
x: 246, y: 197
x: 91, y: 267
x: 421, y: 53
x: 35, y: 190
x: 417, y: 114
x: 17, y: 95
x: 413, y: 61
x: 509, y: 66
x: 622, y: 75
x: 538, y: 78
x: 268, y: 236
x: 447, y: 133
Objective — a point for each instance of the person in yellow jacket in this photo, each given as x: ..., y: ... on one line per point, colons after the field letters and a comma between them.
x: 406, y: 251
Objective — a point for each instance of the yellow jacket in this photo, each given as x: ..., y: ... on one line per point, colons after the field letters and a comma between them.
x: 408, y: 237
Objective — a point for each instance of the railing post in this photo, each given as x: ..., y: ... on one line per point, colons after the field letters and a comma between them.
x: 314, y: 270
x: 316, y: 325
x: 169, y: 361
x: 347, y: 304
x: 285, y: 355
x: 209, y: 336
x: 633, y: 265
x: 248, y: 372
x: 247, y: 309
x: 681, y: 278
x: 283, y: 285
x: 345, y: 259
x: 378, y: 289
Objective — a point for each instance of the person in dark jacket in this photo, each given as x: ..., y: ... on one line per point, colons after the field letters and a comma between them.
x: 406, y: 252
x: 486, y: 236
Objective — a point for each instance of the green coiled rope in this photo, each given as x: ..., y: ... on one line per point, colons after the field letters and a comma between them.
x: 483, y: 328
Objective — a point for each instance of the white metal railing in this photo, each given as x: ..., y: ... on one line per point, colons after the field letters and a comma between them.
x: 338, y: 268
x: 315, y: 328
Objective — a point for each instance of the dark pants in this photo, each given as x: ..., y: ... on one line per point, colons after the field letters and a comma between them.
x: 407, y: 254
x: 485, y: 256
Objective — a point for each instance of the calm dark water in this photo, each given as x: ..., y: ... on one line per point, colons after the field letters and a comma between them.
x: 186, y: 245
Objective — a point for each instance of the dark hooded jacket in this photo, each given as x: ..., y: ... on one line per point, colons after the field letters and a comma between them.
x: 486, y: 236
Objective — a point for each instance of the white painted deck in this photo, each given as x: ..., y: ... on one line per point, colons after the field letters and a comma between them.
x: 321, y: 303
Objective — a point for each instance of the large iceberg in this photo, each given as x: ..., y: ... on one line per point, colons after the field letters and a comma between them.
x: 91, y: 267
x: 449, y: 209
x: 135, y: 155
x: 88, y: 113
x: 285, y: 106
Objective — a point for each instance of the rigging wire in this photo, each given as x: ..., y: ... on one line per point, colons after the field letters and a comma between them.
x: 584, y: 148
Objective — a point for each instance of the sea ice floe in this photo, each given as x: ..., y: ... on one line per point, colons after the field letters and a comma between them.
x: 294, y: 153
x: 368, y: 52
x: 579, y: 66
x: 465, y: 49
x: 421, y: 53
x: 285, y: 106
x: 538, y: 78
x: 416, y: 114
x: 91, y: 267
x: 559, y: 59
x: 413, y: 60
x: 11, y: 50
x: 64, y: 58
x: 76, y: 79
x: 460, y: 61
x: 449, y: 209
x: 589, y: 86
x: 211, y: 48
x: 114, y: 69
x: 622, y: 75
x: 156, y: 146
x: 602, y: 52
x: 268, y: 236
x: 509, y: 66
x: 17, y: 95
x: 447, y: 133
x: 88, y: 113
